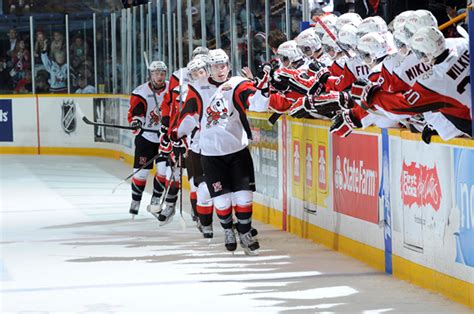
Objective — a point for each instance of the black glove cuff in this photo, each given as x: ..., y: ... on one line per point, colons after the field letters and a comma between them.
x: 354, y: 120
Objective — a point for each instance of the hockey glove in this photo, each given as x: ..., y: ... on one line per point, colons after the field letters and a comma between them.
x: 363, y: 91
x: 427, y: 133
x: 280, y: 80
x: 136, y: 124
x: 165, y: 146
x: 343, y: 124
x: 180, y: 149
x: 319, y: 70
x: 262, y: 79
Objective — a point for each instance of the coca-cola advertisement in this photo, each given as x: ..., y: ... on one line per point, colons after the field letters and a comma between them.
x: 356, y: 176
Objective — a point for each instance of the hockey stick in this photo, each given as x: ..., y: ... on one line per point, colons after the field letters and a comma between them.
x: 181, y: 220
x: 117, y: 126
x: 331, y: 35
x: 136, y: 171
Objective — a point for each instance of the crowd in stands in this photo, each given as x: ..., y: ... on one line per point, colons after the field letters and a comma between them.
x: 50, y: 65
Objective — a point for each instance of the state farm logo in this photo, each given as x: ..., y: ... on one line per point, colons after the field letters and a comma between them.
x: 420, y: 185
x: 352, y: 176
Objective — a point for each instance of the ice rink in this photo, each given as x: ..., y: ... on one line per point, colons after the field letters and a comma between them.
x: 68, y: 244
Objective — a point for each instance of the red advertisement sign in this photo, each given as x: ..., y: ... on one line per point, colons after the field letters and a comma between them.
x: 420, y: 185
x: 309, y: 165
x: 296, y: 161
x: 322, y: 177
x: 356, y: 176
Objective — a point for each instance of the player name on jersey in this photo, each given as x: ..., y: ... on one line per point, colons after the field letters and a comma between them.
x: 459, y: 66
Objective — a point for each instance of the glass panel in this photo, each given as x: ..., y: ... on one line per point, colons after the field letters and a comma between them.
x: 81, y: 53
x: 276, y: 23
x: 103, y: 47
x: 15, y: 59
x: 296, y: 16
x: 50, y: 53
x: 257, y: 33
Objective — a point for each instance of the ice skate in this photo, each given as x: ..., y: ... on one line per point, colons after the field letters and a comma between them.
x: 166, y: 215
x: 230, y: 240
x: 253, y: 231
x: 134, y: 207
x: 248, y: 243
x: 154, y: 206
x: 207, y: 232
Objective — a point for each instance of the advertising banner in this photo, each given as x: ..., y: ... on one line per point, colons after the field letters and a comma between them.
x: 464, y: 196
x: 298, y: 153
x: 322, y: 170
x: 6, y: 123
x: 425, y: 193
x: 356, y: 176
x: 107, y: 110
x: 264, y: 149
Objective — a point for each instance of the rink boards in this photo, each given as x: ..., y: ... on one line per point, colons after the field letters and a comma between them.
x: 383, y: 197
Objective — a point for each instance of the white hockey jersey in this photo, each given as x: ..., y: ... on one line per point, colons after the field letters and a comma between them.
x: 142, y: 104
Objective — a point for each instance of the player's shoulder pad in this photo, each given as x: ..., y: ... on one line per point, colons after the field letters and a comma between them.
x: 140, y: 89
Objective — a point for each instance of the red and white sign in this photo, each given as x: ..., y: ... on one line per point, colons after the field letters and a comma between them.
x: 322, y: 161
x: 296, y: 159
x: 420, y: 185
x: 356, y: 176
x: 309, y: 165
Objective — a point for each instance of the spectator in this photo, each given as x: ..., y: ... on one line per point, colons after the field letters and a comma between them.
x: 57, y: 44
x: 6, y: 83
x: 57, y: 70
x: 12, y: 37
x: 25, y: 85
x: 41, y: 81
x: 78, y: 51
x: 20, y: 61
x: 84, y: 87
x: 41, y: 44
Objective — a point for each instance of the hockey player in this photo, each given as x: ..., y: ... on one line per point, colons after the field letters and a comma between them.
x: 143, y: 101
x: 310, y: 44
x: 442, y: 94
x: 188, y: 125
x: 221, y: 105
x: 170, y: 110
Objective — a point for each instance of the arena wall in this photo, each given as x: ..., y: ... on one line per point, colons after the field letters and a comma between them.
x: 383, y: 197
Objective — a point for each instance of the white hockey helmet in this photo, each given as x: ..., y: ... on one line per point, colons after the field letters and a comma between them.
x: 157, y: 66
x: 348, y: 18
x: 330, y: 47
x: 418, y: 20
x: 197, y: 69
x: 328, y: 19
x: 401, y: 41
x: 200, y: 50
x: 372, y: 46
x: 400, y: 20
x: 289, y: 51
x: 218, y: 57
x: 427, y: 44
x: 347, y: 37
x: 371, y: 24
x: 308, y: 42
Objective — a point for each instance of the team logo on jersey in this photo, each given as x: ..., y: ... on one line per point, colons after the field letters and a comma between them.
x: 68, y: 116
x: 217, y: 110
x: 226, y: 87
x: 217, y: 186
x: 154, y: 119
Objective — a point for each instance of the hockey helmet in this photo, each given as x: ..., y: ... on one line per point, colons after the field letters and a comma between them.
x: 372, y: 46
x: 197, y: 69
x: 308, y: 42
x: 418, y: 20
x: 348, y: 18
x: 401, y: 41
x: 288, y: 52
x: 347, y: 37
x: 330, y: 47
x: 218, y: 57
x: 371, y: 24
x: 400, y: 20
x: 157, y: 66
x: 200, y: 51
x: 427, y: 44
